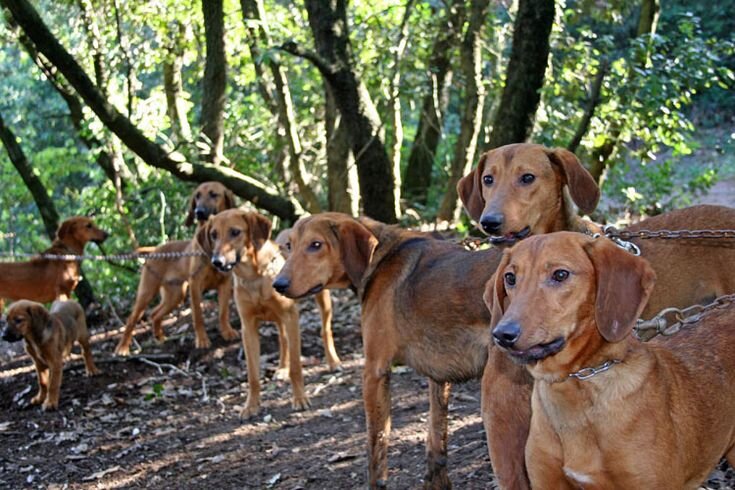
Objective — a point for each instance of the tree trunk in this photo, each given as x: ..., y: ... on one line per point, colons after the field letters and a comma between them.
x: 466, y: 146
x: 589, y: 111
x: 253, y: 9
x: 431, y: 120
x: 173, y: 85
x: 44, y: 203
x: 328, y: 21
x: 242, y: 185
x: 525, y: 76
x: 214, y: 82
x: 342, y: 180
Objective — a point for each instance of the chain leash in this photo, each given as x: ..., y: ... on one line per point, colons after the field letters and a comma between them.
x: 671, y: 320
x: 124, y: 256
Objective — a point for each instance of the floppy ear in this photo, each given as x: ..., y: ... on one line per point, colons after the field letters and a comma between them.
x: 228, y: 199
x: 202, y: 238
x: 495, y: 294
x: 65, y: 229
x: 582, y: 187
x: 624, y: 283
x: 469, y: 189
x: 260, y: 228
x: 39, y: 319
x: 190, y: 215
x: 357, y: 245
x: 281, y: 240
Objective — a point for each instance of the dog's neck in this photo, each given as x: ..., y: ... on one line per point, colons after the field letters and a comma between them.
x: 569, y: 220
x: 69, y: 245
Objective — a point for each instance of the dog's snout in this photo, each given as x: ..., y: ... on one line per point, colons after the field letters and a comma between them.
x: 201, y: 213
x: 506, y: 334
x: 281, y: 284
x: 492, y: 222
x: 218, y: 262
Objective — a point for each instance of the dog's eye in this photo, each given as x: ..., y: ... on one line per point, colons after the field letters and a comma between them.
x: 315, y: 245
x: 235, y: 232
x: 510, y: 279
x: 213, y: 195
x: 488, y: 180
x: 560, y: 275
x: 199, y: 194
x: 288, y: 246
x: 213, y: 234
x: 18, y: 320
x: 527, y: 178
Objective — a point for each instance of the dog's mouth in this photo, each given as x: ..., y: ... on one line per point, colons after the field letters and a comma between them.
x: 10, y: 336
x: 538, y: 352
x: 511, y: 237
x: 226, y: 266
x: 311, y: 291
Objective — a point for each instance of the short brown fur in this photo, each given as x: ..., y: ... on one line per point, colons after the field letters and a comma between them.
x: 49, y: 336
x: 607, y: 431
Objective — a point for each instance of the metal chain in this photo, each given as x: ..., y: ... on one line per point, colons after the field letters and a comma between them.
x: 124, y: 256
x: 612, y: 232
x: 588, y: 372
x: 671, y: 320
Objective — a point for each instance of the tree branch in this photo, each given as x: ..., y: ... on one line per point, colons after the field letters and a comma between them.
x: 321, y: 64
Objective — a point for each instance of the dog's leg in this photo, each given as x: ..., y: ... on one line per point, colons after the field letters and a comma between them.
x: 291, y: 320
x: 283, y: 355
x: 545, y: 455
x: 201, y: 341
x: 376, y: 395
x: 42, y: 374
x: 251, y: 346
x: 147, y: 288
x: 506, y: 415
x: 54, y: 385
x: 324, y: 301
x: 89, y: 366
x: 172, y: 295
x: 436, y: 440
x: 224, y: 295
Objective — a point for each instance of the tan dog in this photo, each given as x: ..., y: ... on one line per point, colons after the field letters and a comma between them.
x: 532, y: 190
x: 49, y: 337
x: 171, y: 277
x: 608, y: 411
x: 45, y: 280
x: 419, y: 307
x: 238, y: 242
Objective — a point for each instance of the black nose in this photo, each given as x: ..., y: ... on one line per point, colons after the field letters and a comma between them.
x: 281, y: 284
x: 506, y: 333
x: 491, y: 223
x: 201, y: 213
x: 217, y: 262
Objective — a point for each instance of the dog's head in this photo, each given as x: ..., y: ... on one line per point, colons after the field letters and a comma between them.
x: 327, y: 250
x: 208, y: 199
x: 232, y: 235
x: 518, y: 190
x: 79, y: 230
x: 25, y: 319
x: 560, y: 296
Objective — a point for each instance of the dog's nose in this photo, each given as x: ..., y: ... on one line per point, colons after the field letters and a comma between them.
x: 506, y: 334
x: 491, y: 223
x: 281, y: 284
x: 218, y: 262
x: 201, y: 213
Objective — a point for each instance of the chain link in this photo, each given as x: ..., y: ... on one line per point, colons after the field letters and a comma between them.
x: 671, y: 320
x: 626, y: 235
x: 5, y: 257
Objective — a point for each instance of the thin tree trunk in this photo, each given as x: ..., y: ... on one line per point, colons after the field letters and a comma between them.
x: 129, y: 68
x: 342, y: 181
x: 589, y: 110
x: 253, y: 9
x: 214, y: 83
x: 431, y: 120
x: 173, y: 84
x: 242, y: 185
x: 525, y: 76
x: 474, y: 101
x: 44, y: 203
x: 328, y: 21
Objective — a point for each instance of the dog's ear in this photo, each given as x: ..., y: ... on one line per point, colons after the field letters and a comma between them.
x: 469, y: 189
x: 624, y: 283
x: 260, y: 228
x: 190, y: 215
x: 66, y: 229
x: 282, y: 240
x: 203, y: 239
x: 39, y: 319
x: 582, y: 187
x: 228, y: 199
x: 357, y: 245
x: 495, y: 294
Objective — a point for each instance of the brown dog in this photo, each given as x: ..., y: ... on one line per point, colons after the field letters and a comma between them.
x: 238, y: 242
x: 417, y: 309
x: 609, y: 411
x: 528, y: 190
x: 45, y: 280
x: 171, y: 277
x: 49, y: 337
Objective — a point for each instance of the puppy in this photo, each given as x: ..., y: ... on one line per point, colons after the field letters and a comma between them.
x: 609, y: 411
x: 49, y: 337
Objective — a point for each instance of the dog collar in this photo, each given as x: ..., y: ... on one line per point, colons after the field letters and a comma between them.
x: 588, y: 372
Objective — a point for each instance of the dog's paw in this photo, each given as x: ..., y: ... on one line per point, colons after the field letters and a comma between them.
x: 49, y: 406
x: 250, y: 410
x: 94, y: 371
x: 281, y: 373
x: 38, y: 399
x: 122, y: 350
x: 202, y: 343
x: 230, y: 334
x: 301, y: 403
x: 334, y: 364
x: 160, y: 338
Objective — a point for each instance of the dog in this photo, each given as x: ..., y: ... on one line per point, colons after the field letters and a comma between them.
x: 521, y: 190
x: 45, y: 280
x: 171, y: 277
x: 608, y: 410
x: 49, y: 336
x: 416, y: 293
x: 238, y: 242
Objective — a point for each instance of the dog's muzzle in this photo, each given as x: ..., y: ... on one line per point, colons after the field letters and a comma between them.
x: 10, y: 335
x: 202, y: 213
x: 220, y: 263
